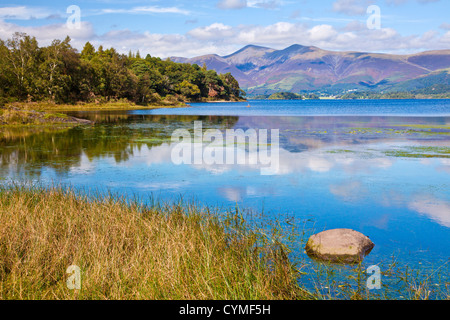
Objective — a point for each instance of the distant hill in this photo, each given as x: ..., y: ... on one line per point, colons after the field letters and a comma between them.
x: 285, y: 96
x: 262, y: 70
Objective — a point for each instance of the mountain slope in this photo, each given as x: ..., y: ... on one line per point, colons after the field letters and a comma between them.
x: 262, y: 70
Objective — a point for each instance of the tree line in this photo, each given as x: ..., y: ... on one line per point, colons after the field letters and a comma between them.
x: 436, y: 92
x: 60, y: 74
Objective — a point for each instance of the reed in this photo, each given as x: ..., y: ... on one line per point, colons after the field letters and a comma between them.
x: 128, y: 250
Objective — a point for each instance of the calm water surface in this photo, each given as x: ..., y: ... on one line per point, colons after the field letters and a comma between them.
x: 384, y: 171
x: 437, y: 107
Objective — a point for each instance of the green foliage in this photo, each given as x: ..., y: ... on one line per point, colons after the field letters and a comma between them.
x: 20, y: 63
x: 59, y: 74
x: 285, y: 96
x: 435, y: 85
x: 311, y: 96
x: 188, y: 89
x: 437, y: 91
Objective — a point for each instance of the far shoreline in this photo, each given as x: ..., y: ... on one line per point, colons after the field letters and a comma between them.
x: 20, y: 114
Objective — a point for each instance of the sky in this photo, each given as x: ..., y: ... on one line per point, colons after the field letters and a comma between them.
x: 188, y: 28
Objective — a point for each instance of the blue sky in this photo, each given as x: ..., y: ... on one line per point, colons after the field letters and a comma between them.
x: 196, y: 27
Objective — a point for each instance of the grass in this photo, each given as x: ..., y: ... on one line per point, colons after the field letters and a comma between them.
x: 47, y: 113
x: 127, y: 250
x: 12, y: 116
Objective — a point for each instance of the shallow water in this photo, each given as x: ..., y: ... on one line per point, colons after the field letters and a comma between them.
x: 386, y: 176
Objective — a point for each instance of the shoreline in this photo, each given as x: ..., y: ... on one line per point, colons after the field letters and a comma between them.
x: 45, y: 114
x: 12, y: 116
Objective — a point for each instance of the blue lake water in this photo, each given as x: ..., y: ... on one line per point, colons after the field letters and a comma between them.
x: 437, y: 107
x: 381, y: 167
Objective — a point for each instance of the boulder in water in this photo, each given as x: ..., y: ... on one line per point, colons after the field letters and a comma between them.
x: 339, y: 245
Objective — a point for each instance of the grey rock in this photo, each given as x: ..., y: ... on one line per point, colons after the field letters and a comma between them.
x: 339, y: 246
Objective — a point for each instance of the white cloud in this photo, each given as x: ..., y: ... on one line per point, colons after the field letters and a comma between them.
x: 232, y: 4
x: 278, y: 34
x: 355, y: 25
x: 348, y: 191
x: 232, y: 193
x: 85, y: 166
x: 445, y: 39
x: 318, y: 164
x: 240, y: 4
x: 322, y: 32
x: 266, y: 4
x: 436, y: 209
x: 159, y: 45
x: 351, y: 7
x: 224, y: 39
x: 213, y: 31
x: 47, y: 33
x: 23, y: 13
x: 147, y: 10
x: 353, y: 37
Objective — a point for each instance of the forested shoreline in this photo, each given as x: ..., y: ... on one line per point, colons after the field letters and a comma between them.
x: 60, y: 74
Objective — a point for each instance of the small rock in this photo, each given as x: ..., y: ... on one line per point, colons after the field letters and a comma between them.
x: 339, y: 245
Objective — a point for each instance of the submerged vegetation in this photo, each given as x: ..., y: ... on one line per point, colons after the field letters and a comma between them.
x: 420, y: 152
x: 59, y: 74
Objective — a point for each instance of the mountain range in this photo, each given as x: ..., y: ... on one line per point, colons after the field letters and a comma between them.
x: 262, y: 70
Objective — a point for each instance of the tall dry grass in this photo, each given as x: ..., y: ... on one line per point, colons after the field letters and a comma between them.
x: 127, y: 250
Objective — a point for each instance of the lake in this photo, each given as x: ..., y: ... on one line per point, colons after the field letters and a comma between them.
x: 381, y: 167
x: 436, y: 107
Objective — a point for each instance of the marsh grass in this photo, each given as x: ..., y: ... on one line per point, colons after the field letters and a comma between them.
x: 49, y: 114
x: 179, y: 250
x: 127, y: 250
x: 13, y: 117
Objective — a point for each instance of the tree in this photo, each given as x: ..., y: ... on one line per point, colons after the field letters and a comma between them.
x: 58, y: 72
x: 55, y: 79
x: 88, y: 51
x: 212, y: 82
x: 22, y: 56
x: 5, y: 77
x: 188, y: 90
x: 232, y: 85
